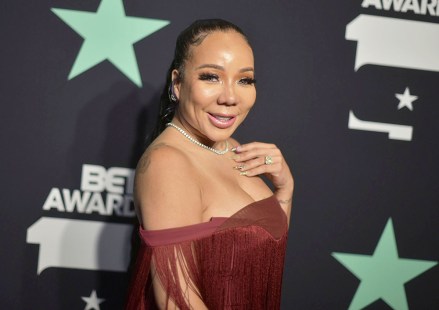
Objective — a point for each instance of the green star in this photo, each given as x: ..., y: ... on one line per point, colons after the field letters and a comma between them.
x: 383, y: 274
x: 109, y: 34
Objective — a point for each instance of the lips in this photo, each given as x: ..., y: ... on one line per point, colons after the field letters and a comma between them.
x: 222, y: 121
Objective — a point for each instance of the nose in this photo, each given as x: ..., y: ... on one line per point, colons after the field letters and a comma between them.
x: 228, y: 94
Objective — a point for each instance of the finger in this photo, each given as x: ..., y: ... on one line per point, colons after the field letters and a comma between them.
x: 263, y: 169
x: 255, y: 153
x: 258, y: 161
x: 254, y: 145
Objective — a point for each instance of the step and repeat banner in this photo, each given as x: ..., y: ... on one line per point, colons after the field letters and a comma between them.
x: 347, y: 89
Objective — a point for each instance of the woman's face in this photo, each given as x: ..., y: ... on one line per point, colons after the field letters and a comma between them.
x: 217, y: 89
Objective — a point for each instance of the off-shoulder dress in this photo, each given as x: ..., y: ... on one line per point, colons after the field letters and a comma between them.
x: 230, y: 263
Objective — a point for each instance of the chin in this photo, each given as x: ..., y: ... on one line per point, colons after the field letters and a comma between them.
x: 221, y: 134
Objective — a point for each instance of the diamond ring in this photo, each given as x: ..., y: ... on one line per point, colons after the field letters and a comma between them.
x: 268, y: 160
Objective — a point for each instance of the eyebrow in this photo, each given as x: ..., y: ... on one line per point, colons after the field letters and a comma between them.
x: 213, y: 66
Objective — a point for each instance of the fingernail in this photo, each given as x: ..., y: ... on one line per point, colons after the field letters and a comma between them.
x: 235, y: 157
x: 236, y: 149
x: 243, y: 173
x: 239, y: 167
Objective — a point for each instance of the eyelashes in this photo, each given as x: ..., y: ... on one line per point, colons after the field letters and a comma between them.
x: 208, y: 77
x: 211, y: 77
x: 247, y: 81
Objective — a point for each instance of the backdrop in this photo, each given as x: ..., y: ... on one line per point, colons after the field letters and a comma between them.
x: 347, y: 89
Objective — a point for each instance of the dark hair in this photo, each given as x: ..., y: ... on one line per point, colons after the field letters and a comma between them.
x: 191, y: 36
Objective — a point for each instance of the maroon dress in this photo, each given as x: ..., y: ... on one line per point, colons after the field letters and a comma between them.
x: 230, y: 263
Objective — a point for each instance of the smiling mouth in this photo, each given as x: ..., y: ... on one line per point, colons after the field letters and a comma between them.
x: 222, y: 121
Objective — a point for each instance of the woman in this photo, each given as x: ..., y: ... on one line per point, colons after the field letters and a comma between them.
x: 213, y: 233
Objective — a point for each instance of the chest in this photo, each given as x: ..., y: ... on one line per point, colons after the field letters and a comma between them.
x: 224, y: 190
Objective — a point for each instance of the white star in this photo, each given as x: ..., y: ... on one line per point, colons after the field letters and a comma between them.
x: 93, y: 301
x: 406, y: 100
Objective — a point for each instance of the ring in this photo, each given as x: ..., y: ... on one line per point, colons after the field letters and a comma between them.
x: 268, y: 160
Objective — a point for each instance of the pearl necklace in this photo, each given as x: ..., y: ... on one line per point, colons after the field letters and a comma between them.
x: 184, y: 133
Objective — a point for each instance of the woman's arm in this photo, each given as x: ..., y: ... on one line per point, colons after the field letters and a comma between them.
x: 167, y: 196
x: 166, y: 191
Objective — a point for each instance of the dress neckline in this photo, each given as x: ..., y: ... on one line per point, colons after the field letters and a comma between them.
x: 214, y: 220
x: 265, y: 217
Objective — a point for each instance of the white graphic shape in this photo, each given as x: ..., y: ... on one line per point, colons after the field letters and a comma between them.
x: 81, y: 244
x: 393, y: 42
x: 96, y: 178
x: 93, y: 301
x: 424, y: 7
x: 395, y: 131
x: 406, y: 100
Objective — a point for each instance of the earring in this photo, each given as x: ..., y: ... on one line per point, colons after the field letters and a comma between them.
x: 171, y: 93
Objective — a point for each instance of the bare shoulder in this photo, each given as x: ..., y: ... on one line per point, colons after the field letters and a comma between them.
x: 166, y: 192
x: 160, y: 154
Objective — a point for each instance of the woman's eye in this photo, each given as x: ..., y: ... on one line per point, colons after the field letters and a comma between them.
x: 247, y: 81
x: 209, y: 77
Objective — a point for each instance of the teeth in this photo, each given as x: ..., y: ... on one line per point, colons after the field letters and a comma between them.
x: 223, y: 119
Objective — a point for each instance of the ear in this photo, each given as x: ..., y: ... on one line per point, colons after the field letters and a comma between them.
x: 175, y: 77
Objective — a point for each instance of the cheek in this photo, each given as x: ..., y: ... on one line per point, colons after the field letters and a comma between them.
x: 249, y: 98
x: 204, y: 96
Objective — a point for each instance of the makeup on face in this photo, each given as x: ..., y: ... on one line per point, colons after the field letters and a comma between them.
x: 218, y: 89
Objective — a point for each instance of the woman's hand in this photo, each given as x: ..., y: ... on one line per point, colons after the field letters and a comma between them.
x: 258, y: 158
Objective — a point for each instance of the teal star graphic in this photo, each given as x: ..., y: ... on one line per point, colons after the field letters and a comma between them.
x: 109, y: 34
x: 383, y: 274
